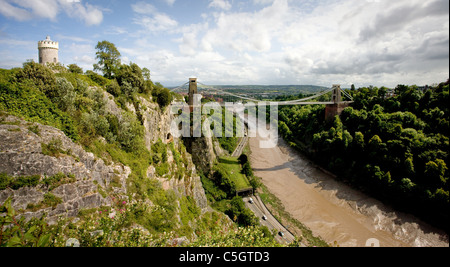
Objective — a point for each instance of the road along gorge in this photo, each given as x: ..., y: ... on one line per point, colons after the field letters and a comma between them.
x: 331, y: 209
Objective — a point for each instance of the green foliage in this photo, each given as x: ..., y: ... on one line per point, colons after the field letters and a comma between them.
x: 15, y: 183
x: 235, y: 237
x: 114, y: 227
x: 131, y: 75
x: 247, y: 169
x: 53, y: 148
x: 51, y: 200
x: 240, y: 214
x: 108, y: 58
x: 18, y: 233
x: 114, y: 88
x: 96, y: 78
x: 162, y: 169
x: 26, y: 100
x: 74, y: 68
x: 213, y: 192
x: 57, y: 180
x: 51, y: 182
x: 131, y: 133
x: 64, y: 95
x: 163, y: 96
x: 189, y: 211
x: 39, y: 75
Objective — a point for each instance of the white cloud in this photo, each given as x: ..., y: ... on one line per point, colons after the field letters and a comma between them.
x: 10, y: 11
x: 245, y: 31
x: 382, y: 40
x: 91, y: 15
x: 220, y: 4
x: 79, y: 53
x: 143, y: 8
x: 170, y: 2
x: 151, y: 19
x: 23, y: 10
x: 72, y: 38
x: 158, y: 22
x: 263, y: 2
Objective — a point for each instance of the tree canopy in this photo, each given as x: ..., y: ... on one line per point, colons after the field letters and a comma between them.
x: 108, y: 58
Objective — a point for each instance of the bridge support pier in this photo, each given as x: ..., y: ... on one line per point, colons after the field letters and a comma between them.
x: 332, y: 110
x: 192, y: 91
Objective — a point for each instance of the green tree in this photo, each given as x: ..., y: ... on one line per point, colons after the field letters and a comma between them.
x: 108, y: 58
x: 40, y: 75
x: 74, y: 68
x: 114, y: 88
x: 146, y: 74
x: 64, y: 95
x: 247, y: 169
x: 132, y: 74
x: 435, y: 171
x: 164, y: 97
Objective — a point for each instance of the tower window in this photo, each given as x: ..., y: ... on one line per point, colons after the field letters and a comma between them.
x: 54, y: 60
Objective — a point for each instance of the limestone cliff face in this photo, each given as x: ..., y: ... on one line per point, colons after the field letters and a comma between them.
x: 204, y: 151
x: 21, y: 154
x: 157, y: 125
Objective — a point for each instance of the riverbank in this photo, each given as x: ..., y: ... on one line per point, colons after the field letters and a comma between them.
x: 332, y: 210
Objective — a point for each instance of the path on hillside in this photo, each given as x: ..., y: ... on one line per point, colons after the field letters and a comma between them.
x: 331, y: 209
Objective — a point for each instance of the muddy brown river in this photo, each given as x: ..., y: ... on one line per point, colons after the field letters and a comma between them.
x: 333, y: 210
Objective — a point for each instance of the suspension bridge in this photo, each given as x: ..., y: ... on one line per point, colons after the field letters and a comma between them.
x: 334, y: 106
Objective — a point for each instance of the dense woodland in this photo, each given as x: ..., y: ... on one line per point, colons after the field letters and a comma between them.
x: 393, y: 148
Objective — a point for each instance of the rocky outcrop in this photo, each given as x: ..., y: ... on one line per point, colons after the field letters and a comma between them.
x: 156, y: 122
x: 22, y: 154
x: 202, y: 151
x: 157, y: 125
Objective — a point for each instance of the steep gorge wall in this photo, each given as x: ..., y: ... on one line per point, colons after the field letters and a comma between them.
x: 22, y: 154
x: 157, y: 125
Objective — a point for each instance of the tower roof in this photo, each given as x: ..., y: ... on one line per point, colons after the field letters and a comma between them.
x: 48, y: 43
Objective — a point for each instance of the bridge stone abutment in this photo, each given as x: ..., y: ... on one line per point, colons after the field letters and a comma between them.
x: 332, y: 110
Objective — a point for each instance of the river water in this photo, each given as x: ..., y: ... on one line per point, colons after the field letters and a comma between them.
x: 333, y: 210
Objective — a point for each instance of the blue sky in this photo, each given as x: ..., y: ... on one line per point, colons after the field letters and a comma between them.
x: 319, y: 42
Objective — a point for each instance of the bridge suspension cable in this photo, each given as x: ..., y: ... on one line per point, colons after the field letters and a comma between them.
x: 180, y: 87
x: 290, y: 102
x: 303, y: 101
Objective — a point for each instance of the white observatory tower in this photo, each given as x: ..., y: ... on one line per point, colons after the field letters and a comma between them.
x: 48, y: 51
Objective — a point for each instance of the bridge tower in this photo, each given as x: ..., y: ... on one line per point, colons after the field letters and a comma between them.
x: 338, y: 106
x: 192, y: 91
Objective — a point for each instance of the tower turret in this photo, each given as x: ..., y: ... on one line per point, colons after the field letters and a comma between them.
x: 48, y: 51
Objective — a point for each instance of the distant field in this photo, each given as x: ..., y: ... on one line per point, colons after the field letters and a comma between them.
x: 232, y: 167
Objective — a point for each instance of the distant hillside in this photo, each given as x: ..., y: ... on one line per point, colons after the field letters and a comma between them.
x: 270, y: 89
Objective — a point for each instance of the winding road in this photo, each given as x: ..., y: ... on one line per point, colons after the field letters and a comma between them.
x: 266, y: 219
